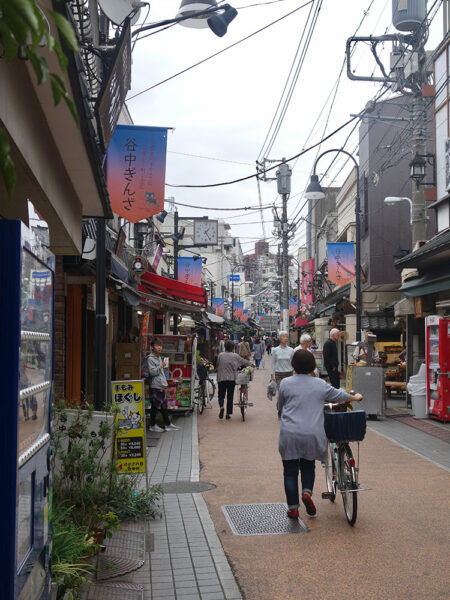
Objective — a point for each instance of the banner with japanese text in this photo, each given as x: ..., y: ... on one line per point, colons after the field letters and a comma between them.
x: 238, y: 309
x: 341, y: 262
x: 136, y: 171
x: 244, y: 316
x: 307, y: 282
x: 218, y: 305
x: 261, y: 316
x: 129, y: 450
x: 293, y: 307
x: 190, y: 270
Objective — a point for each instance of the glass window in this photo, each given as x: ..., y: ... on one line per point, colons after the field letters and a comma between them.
x: 24, y: 519
x: 440, y: 78
x: 35, y: 350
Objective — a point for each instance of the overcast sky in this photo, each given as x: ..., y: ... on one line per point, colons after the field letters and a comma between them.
x: 221, y: 111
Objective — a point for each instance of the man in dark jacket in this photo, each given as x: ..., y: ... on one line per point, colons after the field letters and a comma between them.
x: 330, y: 358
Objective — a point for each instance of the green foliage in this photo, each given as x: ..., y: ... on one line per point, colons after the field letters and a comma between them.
x: 71, y: 546
x: 23, y: 30
x: 131, y: 504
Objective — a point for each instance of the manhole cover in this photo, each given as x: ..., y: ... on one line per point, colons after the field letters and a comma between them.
x: 186, y: 487
x: 261, y: 519
x: 115, y: 591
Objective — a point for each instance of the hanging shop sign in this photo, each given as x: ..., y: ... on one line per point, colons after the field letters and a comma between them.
x: 307, y: 282
x: 190, y: 270
x: 218, y: 305
x: 293, y: 307
x: 238, y: 309
x: 244, y: 316
x: 341, y: 262
x: 129, y: 449
x: 137, y: 265
x: 136, y: 171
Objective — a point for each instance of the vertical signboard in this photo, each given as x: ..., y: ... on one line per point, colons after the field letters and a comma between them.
x: 293, y: 307
x: 129, y: 451
x: 190, y: 270
x: 136, y: 171
x: 307, y: 283
x: 341, y: 262
x: 244, y: 316
x: 218, y: 305
x: 238, y: 309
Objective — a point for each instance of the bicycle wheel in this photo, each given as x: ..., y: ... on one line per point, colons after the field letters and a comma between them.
x: 330, y: 473
x: 201, y: 398
x: 348, y: 482
x: 243, y: 401
x: 210, y: 389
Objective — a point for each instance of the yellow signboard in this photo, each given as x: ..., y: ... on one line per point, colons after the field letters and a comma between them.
x: 129, y: 451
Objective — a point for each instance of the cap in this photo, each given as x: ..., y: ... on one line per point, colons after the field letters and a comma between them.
x: 334, y: 331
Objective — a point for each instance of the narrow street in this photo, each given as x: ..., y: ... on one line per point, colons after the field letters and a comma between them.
x: 397, y: 548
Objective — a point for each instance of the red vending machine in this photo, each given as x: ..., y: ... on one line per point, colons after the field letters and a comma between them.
x: 437, y: 333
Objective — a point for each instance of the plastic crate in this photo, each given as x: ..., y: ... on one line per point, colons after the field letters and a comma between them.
x: 346, y: 426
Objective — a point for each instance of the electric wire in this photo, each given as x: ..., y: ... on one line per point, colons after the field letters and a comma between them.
x: 219, y: 52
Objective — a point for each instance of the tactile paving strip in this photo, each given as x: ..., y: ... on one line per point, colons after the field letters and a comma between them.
x: 115, y: 591
x: 125, y: 552
x: 261, y: 519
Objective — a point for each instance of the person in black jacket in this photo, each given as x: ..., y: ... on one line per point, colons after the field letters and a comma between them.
x: 330, y: 358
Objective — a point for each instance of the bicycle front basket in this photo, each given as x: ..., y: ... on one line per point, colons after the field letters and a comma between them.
x: 345, y: 426
x: 243, y: 378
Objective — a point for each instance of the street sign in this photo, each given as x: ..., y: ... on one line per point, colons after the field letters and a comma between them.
x: 235, y: 277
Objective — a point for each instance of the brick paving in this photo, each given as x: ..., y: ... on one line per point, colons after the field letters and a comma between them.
x: 184, y: 559
x: 427, y: 426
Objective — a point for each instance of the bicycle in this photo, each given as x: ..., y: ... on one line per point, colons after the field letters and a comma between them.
x: 242, y: 380
x: 205, y: 390
x: 341, y: 469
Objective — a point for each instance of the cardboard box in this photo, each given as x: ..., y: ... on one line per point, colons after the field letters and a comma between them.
x: 127, y: 354
x: 125, y: 372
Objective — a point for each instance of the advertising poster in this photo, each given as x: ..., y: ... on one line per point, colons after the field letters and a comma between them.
x: 136, y: 171
x: 341, y: 262
x: 244, y: 316
x: 218, y: 305
x: 293, y: 307
x: 238, y: 309
x: 129, y: 451
x: 190, y: 270
x: 261, y: 316
x: 307, y: 282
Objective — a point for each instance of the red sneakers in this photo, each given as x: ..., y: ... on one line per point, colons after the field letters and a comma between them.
x: 292, y: 513
x: 309, y: 504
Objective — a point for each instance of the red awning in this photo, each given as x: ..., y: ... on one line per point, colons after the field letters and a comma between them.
x: 172, y: 289
x: 299, y: 322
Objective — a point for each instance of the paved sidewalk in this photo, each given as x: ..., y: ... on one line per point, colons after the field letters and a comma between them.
x: 184, y: 559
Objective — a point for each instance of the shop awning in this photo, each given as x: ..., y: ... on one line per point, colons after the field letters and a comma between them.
x: 165, y: 288
x: 299, y: 322
x: 214, y: 318
x: 430, y: 283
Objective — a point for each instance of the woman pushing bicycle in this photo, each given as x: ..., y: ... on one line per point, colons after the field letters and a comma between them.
x: 302, y: 438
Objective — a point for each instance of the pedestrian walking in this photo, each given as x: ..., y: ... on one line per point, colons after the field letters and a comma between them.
x: 331, y: 359
x: 258, y: 352
x: 302, y: 438
x: 244, y: 349
x: 228, y: 363
x: 305, y: 344
x: 157, y: 385
x: 268, y: 345
x: 281, y: 360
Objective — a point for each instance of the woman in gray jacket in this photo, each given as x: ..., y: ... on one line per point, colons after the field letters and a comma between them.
x: 302, y: 435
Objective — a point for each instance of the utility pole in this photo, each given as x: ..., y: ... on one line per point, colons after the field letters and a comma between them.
x: 175, y: 263
x: 284, y: 189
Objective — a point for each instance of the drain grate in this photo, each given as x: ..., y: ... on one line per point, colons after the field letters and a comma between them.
x: 115, y: 591
x: 125, y: 552
x: 261, y: 519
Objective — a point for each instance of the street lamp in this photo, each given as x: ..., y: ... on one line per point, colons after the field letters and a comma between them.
x: 314, y: 191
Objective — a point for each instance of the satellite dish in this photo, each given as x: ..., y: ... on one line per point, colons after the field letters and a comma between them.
x: 118, y: 10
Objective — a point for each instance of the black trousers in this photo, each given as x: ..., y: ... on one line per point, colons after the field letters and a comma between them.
x: 226, y: 388
x: 334, y: 376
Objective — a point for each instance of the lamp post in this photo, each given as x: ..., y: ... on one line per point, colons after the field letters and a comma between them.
x: 314, y: 191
